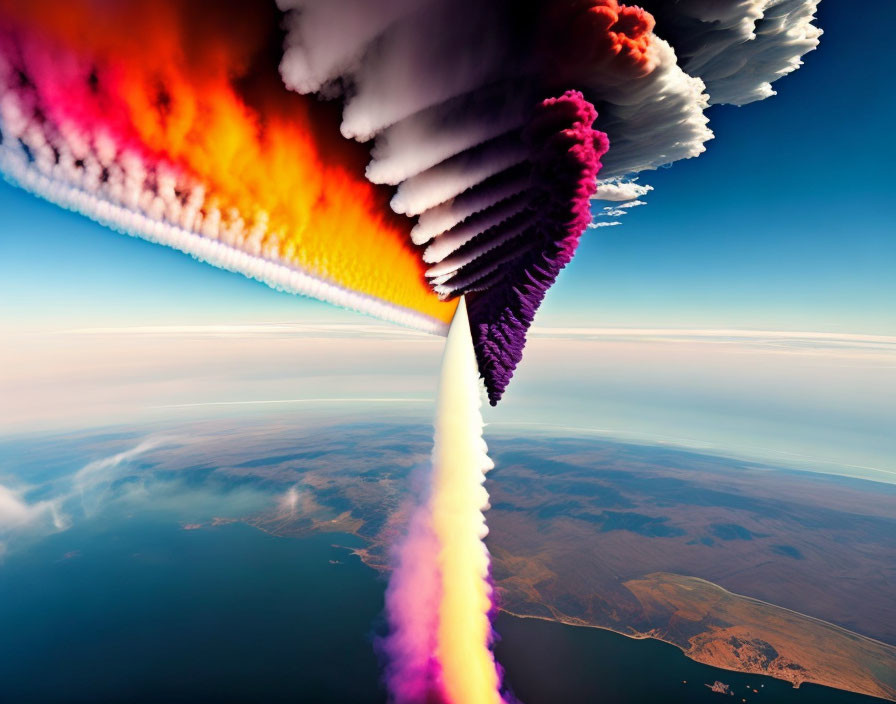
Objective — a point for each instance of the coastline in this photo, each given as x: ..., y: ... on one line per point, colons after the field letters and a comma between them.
x: 364, y: 556
x: 569, y: 621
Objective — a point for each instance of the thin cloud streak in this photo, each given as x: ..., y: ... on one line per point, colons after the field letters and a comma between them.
x: 292, y: 329
x: 675, y: 333
x: 338, y: 330
x: 763, y: 454
x: 359, y: 399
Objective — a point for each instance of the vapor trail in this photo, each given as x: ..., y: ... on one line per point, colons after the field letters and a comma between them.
x: 440, y: 597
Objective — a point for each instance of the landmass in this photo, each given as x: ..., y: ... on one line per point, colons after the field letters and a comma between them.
x: 743, y: 566
x: 714, y: 626
x: 719, y: 687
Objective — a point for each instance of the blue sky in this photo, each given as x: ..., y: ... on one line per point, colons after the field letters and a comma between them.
x: 783, y: 223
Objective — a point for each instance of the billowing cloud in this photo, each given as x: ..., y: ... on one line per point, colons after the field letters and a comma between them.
x: 388, y: 156
x: 739, y: 48
x: 458, y: 126
x: 618, y: 189
x: 169, y: 123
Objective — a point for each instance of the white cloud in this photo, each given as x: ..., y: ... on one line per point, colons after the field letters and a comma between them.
x: 92, y: 479
x: 595, y: 225
x: 19, y: 517
x: 16, y: 512
x: 617, y: 190
x: 781, y: 340
x: 739, y: 48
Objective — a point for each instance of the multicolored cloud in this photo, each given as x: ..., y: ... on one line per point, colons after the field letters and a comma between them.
x: 484, y: 132
x: 171, y: 123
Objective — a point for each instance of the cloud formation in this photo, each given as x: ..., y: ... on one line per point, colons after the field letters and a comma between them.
x: 387, y: 156
x: 19, y: 517
x: 738, y: 49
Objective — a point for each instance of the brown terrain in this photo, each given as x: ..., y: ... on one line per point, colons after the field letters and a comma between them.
x: 716, y: 627
x: 639, y: 540
x: 743, y: 566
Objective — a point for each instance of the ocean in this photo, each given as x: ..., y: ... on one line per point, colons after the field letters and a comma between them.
x: 134, y: 607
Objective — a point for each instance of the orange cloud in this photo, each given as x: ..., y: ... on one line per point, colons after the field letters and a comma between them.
x: 195, y: 90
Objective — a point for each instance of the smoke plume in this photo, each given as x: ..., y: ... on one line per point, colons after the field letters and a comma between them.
x: 439, y: 598
x: 234, y: 134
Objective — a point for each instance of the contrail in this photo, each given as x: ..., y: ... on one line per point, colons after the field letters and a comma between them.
x: 440, y: 597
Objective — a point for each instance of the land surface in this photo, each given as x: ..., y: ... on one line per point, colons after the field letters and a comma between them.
x: 714, y: 626
x: 743, y: 566
x: 662, y: 543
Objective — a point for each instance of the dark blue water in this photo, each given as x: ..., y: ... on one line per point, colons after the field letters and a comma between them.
x: 139, y: 610
x: 149, y: 613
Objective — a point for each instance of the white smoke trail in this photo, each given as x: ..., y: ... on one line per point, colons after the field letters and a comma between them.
x: 460, y: 461
x: 439, y: 597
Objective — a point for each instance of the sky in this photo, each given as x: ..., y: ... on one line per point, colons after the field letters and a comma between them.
x: 782, y: 225
x: 784, y: 222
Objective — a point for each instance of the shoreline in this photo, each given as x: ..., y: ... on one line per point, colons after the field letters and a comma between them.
x: 644, y: 636
x: 362, y: 554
